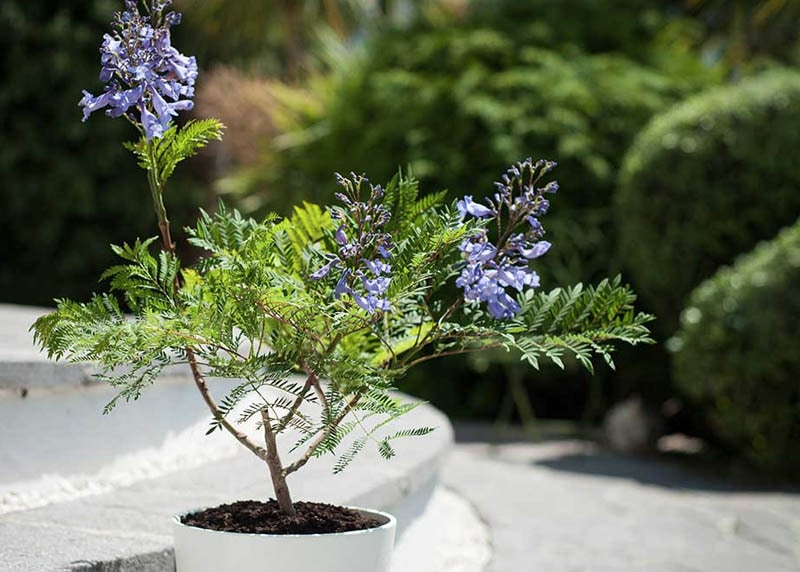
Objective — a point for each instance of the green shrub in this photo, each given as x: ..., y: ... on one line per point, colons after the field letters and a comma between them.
x: 454, y: 103
x: 739, y: 355
x: 582, y: 23
x: 71, y: 182
x: 705, y: 182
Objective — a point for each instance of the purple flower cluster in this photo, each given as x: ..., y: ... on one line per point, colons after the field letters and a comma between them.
x: 492, y: 270
x: 364, y: 248
x: 143, y: 73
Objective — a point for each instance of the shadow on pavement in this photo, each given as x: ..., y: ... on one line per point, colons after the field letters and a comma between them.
x: 663, y: 472
x: 565, y: 447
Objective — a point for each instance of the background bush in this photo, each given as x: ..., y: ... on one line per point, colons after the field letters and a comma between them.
x: 705, y: 182
x: 457, y: 100
x: 739, y: 354
x: 454, y: 95
x: 457, y: 103
x: 577, y: 23
x: 68, y: 189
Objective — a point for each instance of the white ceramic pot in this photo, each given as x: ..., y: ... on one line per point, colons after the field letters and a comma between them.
x: 203, y: 550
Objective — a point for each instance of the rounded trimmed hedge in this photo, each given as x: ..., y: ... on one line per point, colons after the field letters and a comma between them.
x: 739, y: 353
x: 704, y: 182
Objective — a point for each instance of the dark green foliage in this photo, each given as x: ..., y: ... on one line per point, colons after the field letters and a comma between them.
x: 596, y: 26
x: 746, y: 34
x: 706, y: 181
x: 454, y: 103
x: 271, y: 36
x: 68, y: 189
x: 739, y: 355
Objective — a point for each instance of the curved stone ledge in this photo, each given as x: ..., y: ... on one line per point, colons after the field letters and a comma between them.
x: 118, y: 493
x: 24, y: 367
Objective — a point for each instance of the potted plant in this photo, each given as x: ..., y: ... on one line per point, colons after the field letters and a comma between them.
x: 311, y: 318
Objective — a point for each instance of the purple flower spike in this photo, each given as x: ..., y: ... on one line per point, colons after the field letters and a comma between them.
x: 143, y: 71
x: 492, y: 271
x: 363, y: 246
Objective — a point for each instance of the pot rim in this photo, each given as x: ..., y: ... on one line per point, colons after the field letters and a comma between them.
x: 391, y: 522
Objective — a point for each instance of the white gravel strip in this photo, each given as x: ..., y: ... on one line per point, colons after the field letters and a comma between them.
x: 449, y: 536
x: 185, y: 450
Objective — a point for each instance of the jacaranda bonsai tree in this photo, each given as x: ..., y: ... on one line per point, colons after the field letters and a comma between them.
x: 348, y: 296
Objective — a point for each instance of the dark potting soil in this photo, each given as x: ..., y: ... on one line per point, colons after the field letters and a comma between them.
x: 256, y: 517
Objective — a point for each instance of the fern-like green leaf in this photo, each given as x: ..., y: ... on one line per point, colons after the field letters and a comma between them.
x: 162, y: 155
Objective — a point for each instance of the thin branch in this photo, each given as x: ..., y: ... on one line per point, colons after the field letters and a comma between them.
x: 201, y: 341
x: 452, y: 353
x: 286, y: 321
x: 261, y: 336
x: 200, y: 381
x: 420, y: 344
x: 360, y: 422
x: 284, y: 421
x: 388, y: 346
x: 319, y: 440
x: 334, y: 342
x: 318, y: 390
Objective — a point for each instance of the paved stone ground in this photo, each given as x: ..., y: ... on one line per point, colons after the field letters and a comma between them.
x: 448, y: 536
x: 565, y: 506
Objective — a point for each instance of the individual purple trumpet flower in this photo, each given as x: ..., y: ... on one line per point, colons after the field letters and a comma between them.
x: 468, y: 206
x: 147, y: 80
x: 490, y: 271
x: 363, y: 247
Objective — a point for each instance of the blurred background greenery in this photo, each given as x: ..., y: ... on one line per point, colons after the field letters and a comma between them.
x: 674, y: 125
